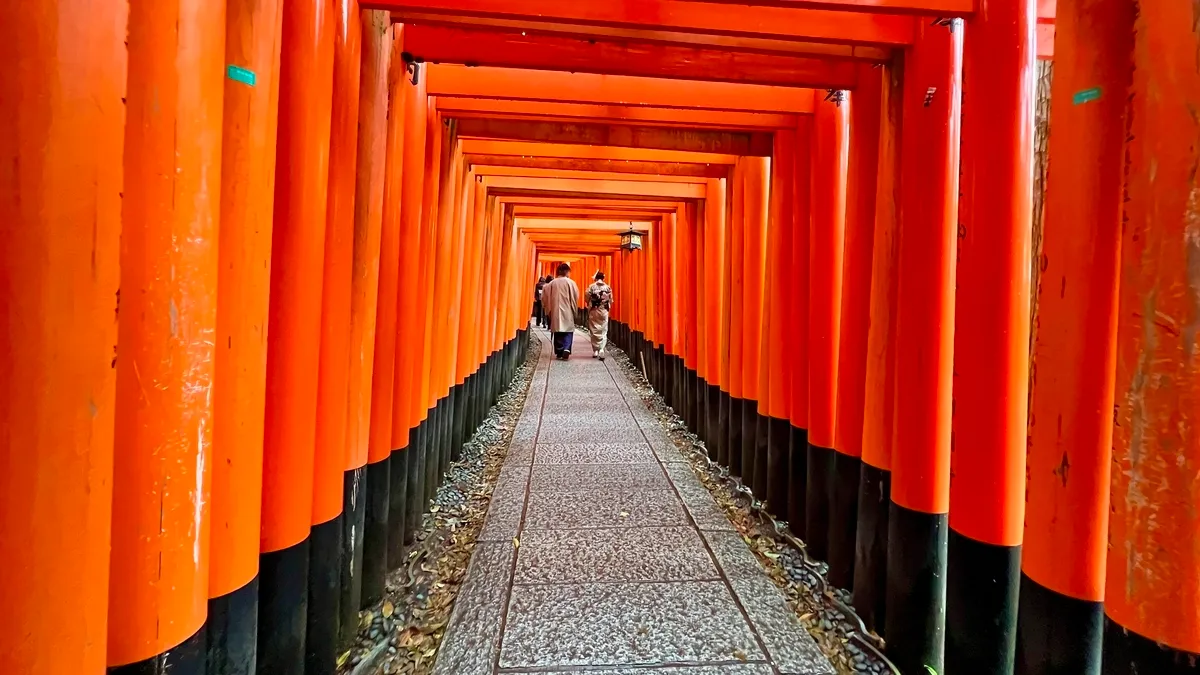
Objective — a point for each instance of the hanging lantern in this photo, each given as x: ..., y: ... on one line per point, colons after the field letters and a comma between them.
x: 631, y: 240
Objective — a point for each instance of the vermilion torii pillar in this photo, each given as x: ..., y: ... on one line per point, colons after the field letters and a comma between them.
x: 991, y: 338
x: 167, y: 338
x: 252, y: 31
x: 60, y: 232
x: 830, y: 157
x: 1152, y: 596
x: 917, y: 527
x: 1061, y: 608
x: 329, y: 460
x: 863, y: 166
x: 293, y: 333
x: 375, y: 47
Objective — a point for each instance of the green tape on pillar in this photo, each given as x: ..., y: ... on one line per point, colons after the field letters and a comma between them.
x: 1086, y: 96
x: 238, y: 74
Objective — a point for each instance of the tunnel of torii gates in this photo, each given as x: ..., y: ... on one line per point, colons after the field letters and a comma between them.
x: 264, y: 266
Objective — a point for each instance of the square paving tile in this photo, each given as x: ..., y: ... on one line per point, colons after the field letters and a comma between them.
x: 790, y: 646
x: 575, y: 433
x: 585, y: 404
x: 629, y: 554
x: 571, y: 477
x: 733, y: 555
x: 594, y: 453
x: 589, y: 418
x: 669, y: 452
x: 603, y: 508
x: 519, y: 453
x: 621, y: 624
x: 503, y: 519
x: 473, y: 636
x: 704, y: 511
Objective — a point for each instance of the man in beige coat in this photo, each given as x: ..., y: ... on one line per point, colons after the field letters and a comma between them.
x: 560, y: 299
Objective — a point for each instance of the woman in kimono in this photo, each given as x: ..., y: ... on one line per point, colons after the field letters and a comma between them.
x: 560, y: 298
x: 599, y: 301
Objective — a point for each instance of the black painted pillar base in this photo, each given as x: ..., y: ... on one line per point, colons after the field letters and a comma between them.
x: 983, y: 583
x: 762, y: 444
x: 450, y: 420
x: 779, y: 438
x: 721, y: 434
x: 734, y: 442
x: 433, y: 454
x: 282, y: 610
x: 1057, y: 634
x: 354, y: 521
x: 324, y: 596
x: 797, y: 481
x: 375, y: 532
x: 916, y: 590
x: 749, y: 441
x: 187, y: 658
x: 416, y: 483
x: 712, y: 420
x: 870, y: 550
x: 397, y: 507
x: 232, y: 631
x: 843, y: 518
x: 817, y: 495
x: 458, y: 396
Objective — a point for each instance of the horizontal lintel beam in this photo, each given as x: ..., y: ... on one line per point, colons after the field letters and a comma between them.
x: 554, y: 86
x: 625, y: 136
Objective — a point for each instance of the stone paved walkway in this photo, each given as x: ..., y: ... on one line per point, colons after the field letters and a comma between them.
x: 602, y: 551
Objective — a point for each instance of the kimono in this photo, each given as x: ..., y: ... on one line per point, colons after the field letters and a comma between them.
x: 560, y: 298
x: 599, y: 301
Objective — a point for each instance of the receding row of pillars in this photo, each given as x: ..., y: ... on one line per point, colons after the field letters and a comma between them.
x: 997, y: 504
x: 252, y: 306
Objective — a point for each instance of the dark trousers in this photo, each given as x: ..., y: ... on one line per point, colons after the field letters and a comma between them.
x: 563, y: 343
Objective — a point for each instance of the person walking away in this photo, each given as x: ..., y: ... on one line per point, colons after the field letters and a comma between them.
x: 599, y: 301
x: 545, y: 314
x: 560, y: 298
x: 539, y: 311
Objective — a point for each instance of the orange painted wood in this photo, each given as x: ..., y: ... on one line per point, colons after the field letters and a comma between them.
x: 434, y: 155
x: 384, y: 365
x: 334, y: 364
x: 861, y: 196
x: 830, y: 159
x: 744, y: 42
x: 507, y: 185
x: 658, y: 169
x: 538, y: 172
x: 297, y: 256
x: 252, y: 34
x: 992, y: 294
x: 703, y: 17
x: 801, y: 231
x: 368, y: 225
x: 714, y: 280
x: 552, y: 86
x: 60, y: 231
x: 925, y: 314
x: 511, y: 48
x: 621, y: 136
x: 1153, y: 583
x: 577, y: 151
x: 167, y: 320
x: 1065, y: 544
x: 778, y: 355
x: 736, y: 264
x: 756, y: 185
x: 463, y: 107
x: 879, y: 393
x: 410, y: 306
